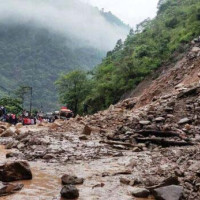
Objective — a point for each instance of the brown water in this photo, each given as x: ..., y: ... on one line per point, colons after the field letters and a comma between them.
x: 46, y: 183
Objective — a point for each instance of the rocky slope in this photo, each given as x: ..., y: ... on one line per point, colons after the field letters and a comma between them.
x: 143, y: 145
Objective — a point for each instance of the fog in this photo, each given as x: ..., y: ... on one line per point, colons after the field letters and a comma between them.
x: 66, y: 17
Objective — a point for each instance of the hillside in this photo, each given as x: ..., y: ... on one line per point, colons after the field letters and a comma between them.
x: 33, y: 54
x: 153, y: 44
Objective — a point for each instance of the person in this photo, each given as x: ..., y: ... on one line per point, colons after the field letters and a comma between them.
x: 1, y: 111
x: 85, y: 108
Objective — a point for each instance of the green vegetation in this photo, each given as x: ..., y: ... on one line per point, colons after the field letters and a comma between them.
x: 144, y: 50
x: 12, y: 105
x: 73, y: 88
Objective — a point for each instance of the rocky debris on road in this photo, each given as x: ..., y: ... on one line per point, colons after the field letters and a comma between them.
x: 14, y: 171
x: 8, y: 189
x: 71, y: 180
x: 69, y: 192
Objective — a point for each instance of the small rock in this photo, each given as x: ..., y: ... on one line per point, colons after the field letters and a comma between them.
x: 125, y: 181
x: 83, y: 137
x: 11, y: 155
x: 87, y: 130
x: 69, y: 192
x: 195, y: 49
x: 160, y: 119
x: 8, y: 133
x: 140, y: 192
x: 71, y: 180
x: 144, y: 122
x: 19, y: 125
x: 184, y: 121
x: 48, y: 157
x: 7, y: 189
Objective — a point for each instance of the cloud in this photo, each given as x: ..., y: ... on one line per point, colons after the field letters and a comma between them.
x: 66, y: 17
x: 130, y: 11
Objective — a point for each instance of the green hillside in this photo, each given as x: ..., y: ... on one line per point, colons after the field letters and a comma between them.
x: 144, y: 50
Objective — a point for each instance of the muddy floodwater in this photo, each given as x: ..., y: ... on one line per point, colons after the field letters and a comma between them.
x: 46, y: 183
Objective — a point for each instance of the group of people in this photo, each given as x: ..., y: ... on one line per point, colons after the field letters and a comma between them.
x: 7, y: 117
x: 27, y: 118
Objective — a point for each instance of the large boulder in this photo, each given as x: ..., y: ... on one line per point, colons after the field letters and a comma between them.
x: 7, y: 189
x: 15, y: 171
x: 71, y: 180
x: 172, y: 192
x: 69, y: 192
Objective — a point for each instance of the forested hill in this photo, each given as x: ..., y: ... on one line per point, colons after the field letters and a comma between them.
x: 35, y: 55
x: 147, y: 48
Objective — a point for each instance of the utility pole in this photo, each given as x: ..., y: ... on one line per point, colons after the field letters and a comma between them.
x: 31, y: 96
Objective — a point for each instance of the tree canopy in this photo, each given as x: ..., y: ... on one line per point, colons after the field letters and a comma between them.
x: 153, y: 43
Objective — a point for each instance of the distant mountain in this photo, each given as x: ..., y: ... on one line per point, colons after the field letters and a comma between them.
x: 34, y: 52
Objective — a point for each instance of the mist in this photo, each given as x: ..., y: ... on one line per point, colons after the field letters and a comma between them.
x: 70, y: 18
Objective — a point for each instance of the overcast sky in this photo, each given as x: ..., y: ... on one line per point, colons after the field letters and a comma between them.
x: 131, y: 12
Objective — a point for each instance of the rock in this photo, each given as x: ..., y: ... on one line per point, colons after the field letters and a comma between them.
x: 15, y: 171
x: 8, y: 133
x: 87, y: 130
x: 48, y: 156
x: 7, y: 189
x: 124, y: 181
x: 144, y: 122
x: 184, y: 121
x: 71, y: 180
x: 69, y: 192
x: 195, y: 166
x: 11, y: 155
x: 195, y: 49
x: 140, y: 192
x: 83, y: 137
x: 172, y: 192
x: 20, y: 145
x: 160, y: 119
x: 1, y: 130
x: 19, y: 125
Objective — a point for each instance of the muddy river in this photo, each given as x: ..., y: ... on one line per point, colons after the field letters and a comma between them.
x: 46, y: 183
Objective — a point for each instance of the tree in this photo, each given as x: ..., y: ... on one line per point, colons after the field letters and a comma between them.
x: 12, y: 105
x: 73, y: 89
x: 119, y: 45
x: 22, y: 91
